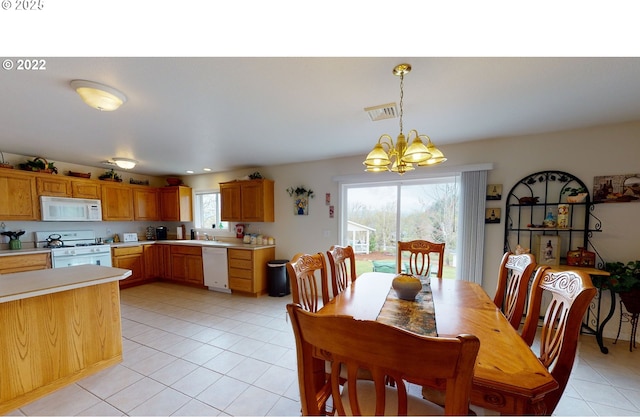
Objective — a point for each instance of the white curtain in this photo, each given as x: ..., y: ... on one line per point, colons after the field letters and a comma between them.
x: 473, y: 185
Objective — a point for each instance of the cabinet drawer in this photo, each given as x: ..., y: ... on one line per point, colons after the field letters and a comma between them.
x: 241, y: 273
x: 240, y: 263
x: 131, y: 250
x: 186, y: 250
x: 240, y: 284
x: 19, y: 263
x: 240, y: 254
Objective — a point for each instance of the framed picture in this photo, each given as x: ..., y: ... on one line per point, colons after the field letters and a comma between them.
x: 494, y: 192
x: 492, y: 215
x: 616, y: 188
x: 548, y: 252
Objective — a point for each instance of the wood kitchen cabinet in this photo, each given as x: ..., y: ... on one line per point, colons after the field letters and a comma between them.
x: 248, y: 269
x: 53, y: 186
x: 175, y: 204
x: 18, y: 196
x: 86, y: 189
x: 117, y: 202
x: 21, y: 263
x: 247, y: 201
x: 157, y: 261
x: 130, y: 257
x: 146, y: 203
x: 186, y: 265
x: 67, y: 187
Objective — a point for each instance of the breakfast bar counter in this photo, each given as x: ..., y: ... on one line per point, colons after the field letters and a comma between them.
x: 58, y: 326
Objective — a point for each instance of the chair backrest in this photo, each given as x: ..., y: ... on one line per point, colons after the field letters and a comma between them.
x: 342, y: 263
x: 303, y: 272
x: 571, y: 293
x: 389, y: 353
x: 513, y: 283
x: 420, y: 252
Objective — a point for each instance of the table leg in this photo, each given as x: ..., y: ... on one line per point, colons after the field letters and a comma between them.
x: 600, y: 327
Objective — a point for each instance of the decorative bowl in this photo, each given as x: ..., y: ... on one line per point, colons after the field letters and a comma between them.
x: 407, y: 286
x: 576, y: 198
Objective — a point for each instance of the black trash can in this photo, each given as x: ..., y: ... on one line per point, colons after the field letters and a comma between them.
x: 277, y: 278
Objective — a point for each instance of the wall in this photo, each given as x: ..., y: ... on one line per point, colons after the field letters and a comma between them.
x: 585, y: 153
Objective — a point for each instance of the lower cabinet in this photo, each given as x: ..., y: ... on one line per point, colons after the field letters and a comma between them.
x: 21, y: 263
x: 248, y: 270
x: 157, y: 261
x: 130, y: 257
x: 186, y: 265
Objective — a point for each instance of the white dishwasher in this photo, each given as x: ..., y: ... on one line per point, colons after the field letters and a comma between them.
x: 214, y: 264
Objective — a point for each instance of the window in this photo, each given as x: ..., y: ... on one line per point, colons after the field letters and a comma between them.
x: 376, y: 216
x: 207, y: 210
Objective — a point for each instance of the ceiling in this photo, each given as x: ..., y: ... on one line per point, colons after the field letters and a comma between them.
x: 229, y: 113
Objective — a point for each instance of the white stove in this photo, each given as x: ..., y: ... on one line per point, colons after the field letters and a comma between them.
x: 79, y: 248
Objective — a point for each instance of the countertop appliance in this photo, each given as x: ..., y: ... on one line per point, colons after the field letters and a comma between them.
x: 214, y: 263
x: 64, y: 209
x: 79, y: 248
x: 161, y: 233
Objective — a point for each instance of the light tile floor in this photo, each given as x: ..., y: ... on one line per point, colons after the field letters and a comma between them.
x: 190, y: 352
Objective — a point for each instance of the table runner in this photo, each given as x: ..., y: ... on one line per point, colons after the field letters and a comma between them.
x: 415, y: 316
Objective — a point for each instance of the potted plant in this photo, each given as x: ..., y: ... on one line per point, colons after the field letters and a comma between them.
x: 14, y: 239
x: 39, y: 164
x: 110, y: 175
x: 625, y: 280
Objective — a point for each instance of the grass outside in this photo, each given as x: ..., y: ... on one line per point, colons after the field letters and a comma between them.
x: 364, y: 263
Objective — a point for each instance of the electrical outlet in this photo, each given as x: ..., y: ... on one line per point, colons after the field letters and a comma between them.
x: 108, y: 232
x: 326, y: 233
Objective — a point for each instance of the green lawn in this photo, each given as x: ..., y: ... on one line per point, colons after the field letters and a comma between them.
x: 367, y: 266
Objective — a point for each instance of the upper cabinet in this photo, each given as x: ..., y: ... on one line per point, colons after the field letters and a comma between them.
x: 146, y: 204
x: 53, y: 186
x: 59, y: 186
x: 86, y: 189
x: 247, y: 201
x: 117, y: 202
x: 175, y: 203
x: 20, y: 192
x: 18, y: 196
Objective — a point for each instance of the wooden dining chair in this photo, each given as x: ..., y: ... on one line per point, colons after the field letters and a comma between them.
x: 386, y: 352
x: 342, y: 264
x: 571, y: 292
x: 309, y: 282
x: 513, y: 282
x: 420, y: 252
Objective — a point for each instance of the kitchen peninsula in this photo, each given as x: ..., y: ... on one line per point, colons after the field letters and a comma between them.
x: 58, y: 326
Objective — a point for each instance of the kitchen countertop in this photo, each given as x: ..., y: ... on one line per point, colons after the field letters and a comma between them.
x: 21, y: 285
x: 203, y: 243
x: 27, y: 251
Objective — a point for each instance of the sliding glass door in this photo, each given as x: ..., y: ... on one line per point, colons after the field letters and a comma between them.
x: 377, y: 215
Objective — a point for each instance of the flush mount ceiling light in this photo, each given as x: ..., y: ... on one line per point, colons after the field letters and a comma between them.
x: 99, y: 96
x: 125, y: 163
x: 399, y: 157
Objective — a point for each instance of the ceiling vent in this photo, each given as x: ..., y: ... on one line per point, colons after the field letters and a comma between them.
x: 381, y: 112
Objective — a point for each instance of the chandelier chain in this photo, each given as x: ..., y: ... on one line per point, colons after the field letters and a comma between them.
x: 401, y: 98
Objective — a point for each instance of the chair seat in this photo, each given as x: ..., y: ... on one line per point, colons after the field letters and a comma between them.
x: 416, y: 406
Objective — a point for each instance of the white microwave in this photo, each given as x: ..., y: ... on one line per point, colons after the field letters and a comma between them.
x: 62, y: 209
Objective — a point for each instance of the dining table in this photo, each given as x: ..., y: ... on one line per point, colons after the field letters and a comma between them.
x: 508, y: 377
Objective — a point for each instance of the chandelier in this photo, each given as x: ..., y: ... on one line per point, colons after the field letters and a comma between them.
x: 398, y: 157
